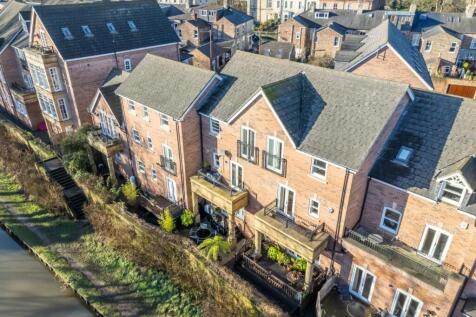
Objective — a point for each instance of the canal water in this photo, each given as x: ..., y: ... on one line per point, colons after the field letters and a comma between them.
x: 28, y: 289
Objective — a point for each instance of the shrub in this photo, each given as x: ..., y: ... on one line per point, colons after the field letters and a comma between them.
x: 283, y: 259
x: 131, y: 193
x: 74, y: 150
x: 323, y: 61
x: 167, y: 222
x: 273, y: 252
x: 299, y: 265
x: 186, y: 218
x: 215, y: 248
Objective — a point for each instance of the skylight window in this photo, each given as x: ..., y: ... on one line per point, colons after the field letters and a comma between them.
x: 322, y: 15
x: 87, y: 31
x: 67, y: 33
x: 111, y: 28
x: 403, y: 155
x: 132, y: 26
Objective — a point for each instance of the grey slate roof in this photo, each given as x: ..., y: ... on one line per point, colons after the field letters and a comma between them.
x: 466, y: 167
x: 278, y: 49
x: 236, y: 17
x: 113, y: 80
x: 21, y: 40
x: 387, y: 34
x: 437, y: 30
x: 358, y: 107
x: 440, y: 130
x: 9, y: 23
x: 457, y: 22
x: 165, y: 85
x: 153, y: 28
x: 347, y: 18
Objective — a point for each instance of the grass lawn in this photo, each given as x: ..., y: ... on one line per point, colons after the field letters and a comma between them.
x: 146, y: 292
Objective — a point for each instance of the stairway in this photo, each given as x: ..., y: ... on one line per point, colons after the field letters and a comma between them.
x: 74, y: 196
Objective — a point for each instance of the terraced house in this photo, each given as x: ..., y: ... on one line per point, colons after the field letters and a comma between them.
x: 375, y: 186
x: 72, y: 49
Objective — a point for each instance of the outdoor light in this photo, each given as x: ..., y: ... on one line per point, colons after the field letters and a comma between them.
x: 330, y: 210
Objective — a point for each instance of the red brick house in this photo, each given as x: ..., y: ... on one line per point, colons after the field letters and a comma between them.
x: 74, y: 47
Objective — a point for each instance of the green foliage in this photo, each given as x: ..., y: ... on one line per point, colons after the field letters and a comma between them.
x: 283, y: 259
x: 273, y: 252
x: 167, y: 222
x: 299, y: 265
x: 215, y: 248
x: 75, y: 155
x: 186, y: 218
x: 325, y: 61
x: 131, y: 193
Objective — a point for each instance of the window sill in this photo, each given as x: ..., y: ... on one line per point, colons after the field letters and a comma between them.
x: 318, y: 178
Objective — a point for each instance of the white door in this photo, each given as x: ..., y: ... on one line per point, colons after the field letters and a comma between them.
x: 171, y: 190
x: 362, y: 283
x: 405, y: 305
x: 434, y: 243
x: 286, y: 197
x: 236, y: 171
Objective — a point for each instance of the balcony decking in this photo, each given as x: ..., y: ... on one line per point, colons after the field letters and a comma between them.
x: 218, y: 193
x: 104, y: 144
x: 404, y: 259
x: 305, y: 241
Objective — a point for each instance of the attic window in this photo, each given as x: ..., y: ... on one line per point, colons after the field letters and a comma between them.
x: 87, y: 31
x: 132, y: 26
x: 67, y: 33
x: 111, y: 28
x: 403, y: 156
x: 452, y: 193
x: 322, y: 15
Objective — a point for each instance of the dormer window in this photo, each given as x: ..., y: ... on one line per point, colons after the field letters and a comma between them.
x: 67, y: 33
x: 111, y: 28
x: 322, y: 15
x: 403, y: 156
x: 452, y: 193
x: 203, y: 12
x: 132, y: 26
x: 87, y: 31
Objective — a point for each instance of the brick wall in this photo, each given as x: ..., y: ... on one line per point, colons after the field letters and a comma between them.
x: 287, y: 33
x: 324, y: 42
x: 187, y: 33
x: 387, y: 65
x: 439, y: 49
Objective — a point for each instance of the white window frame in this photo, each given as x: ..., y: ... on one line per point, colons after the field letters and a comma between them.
x: 216, y: 160
x: 135, y: 133
x: 405, y: 160
x: 127, y: 64
x: 87, y: 30
x: 286, y: 198
x: 383, y: 218
x: 446, y: 69
x: 431, y: 252
x: 298, y: 35
x: 213, y: 131
x: 140, y: 166
x: 362, y: 283
x: 150, y: 143
x: 321, y: 177
x: 55, y: 78
x: 131, y: 105
x: 448, y: 200
x: 275, y: 139
x: 311, y: 207
x: 195, y: 34
x: 63, y: 108
x: 252, y: 155
x: 453, y: 47
x: 171, y: 181
x: 111, y: 28
x: 472, y: 45
x: 336, y: 42
x: 407, y: 303
x: 416, y: 39
x: 132, y: 26
x: 235, y: 167
x: 145, y: 113
x: 164, y: 120
x: 428, y: 48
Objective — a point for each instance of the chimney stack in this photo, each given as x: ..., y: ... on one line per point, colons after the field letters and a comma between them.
x: 312, y: 6
x: 225, y: 4
x: 412, y: 8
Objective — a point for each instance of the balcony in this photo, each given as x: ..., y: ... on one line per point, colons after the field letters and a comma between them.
x: 274, y: 163
x: 298, y: 235
x: 210, y: 186
x: 103, y: 143
x: 168, y: 165
x: 41, y: 56
x: 247, y: 152
x: 25, y: 95
x: 403, y: 258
